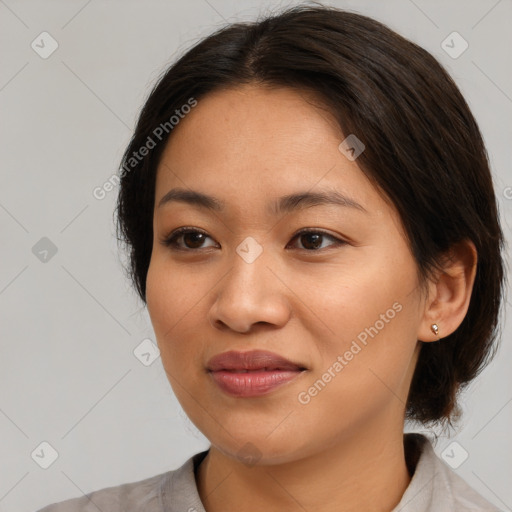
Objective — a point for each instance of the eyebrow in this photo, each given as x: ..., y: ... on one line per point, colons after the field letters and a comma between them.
x: 284, y: 204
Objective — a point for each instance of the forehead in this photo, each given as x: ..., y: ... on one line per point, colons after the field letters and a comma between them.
x: 243, y: 144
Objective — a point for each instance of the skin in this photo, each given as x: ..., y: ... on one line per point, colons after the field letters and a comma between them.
x: 344, y: 449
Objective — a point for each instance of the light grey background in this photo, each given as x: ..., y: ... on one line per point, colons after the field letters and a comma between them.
x: 69, y: 325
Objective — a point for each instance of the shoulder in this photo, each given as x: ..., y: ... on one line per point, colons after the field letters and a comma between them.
x: 142, y: 495
x: 165, y: 492
x: 463, y: 496
x: 436, y: 487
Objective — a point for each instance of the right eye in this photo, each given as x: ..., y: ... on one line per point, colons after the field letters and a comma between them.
x: 192, y: 239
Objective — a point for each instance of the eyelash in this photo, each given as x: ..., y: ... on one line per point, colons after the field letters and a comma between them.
x: 170, y: 241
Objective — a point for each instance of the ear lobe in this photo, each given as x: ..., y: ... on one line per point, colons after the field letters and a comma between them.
x: 449, y: 293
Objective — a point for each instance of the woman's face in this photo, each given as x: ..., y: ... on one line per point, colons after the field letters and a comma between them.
x: 343, y: 305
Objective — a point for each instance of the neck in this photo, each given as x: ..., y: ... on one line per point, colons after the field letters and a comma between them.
x: 367, y: 471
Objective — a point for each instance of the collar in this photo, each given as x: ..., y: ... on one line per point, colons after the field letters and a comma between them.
x: 434, y: 486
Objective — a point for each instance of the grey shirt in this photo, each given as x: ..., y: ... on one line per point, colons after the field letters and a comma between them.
x: 434, y: 487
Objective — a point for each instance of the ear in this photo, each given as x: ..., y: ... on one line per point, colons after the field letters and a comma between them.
x: 450, y: 292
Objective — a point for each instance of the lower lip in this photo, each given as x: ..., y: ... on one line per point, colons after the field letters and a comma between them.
x: 254, y: 383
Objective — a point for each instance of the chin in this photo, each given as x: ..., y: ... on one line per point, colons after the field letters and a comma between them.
x: 257, y: 448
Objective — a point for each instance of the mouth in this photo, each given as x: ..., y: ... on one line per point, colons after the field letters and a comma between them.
x: 251, y: 374
x: 243, y: 370
x: 254, y: 360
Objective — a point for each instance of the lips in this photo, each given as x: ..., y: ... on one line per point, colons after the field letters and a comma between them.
x: 255, y: 360
x: 252, y: 374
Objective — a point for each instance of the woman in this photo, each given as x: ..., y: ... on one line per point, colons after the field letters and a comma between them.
x: 312, y: 225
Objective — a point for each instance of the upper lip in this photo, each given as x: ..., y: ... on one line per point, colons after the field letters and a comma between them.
x: 252, y: 360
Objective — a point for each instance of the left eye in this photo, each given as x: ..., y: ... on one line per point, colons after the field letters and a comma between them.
x: 313, y: 239
x: 193, y: 239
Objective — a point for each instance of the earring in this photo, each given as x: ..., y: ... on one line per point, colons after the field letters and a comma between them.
x: 435, y: 329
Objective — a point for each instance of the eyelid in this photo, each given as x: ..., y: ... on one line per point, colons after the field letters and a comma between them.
x: 337, y: 240
x: 169, y: 240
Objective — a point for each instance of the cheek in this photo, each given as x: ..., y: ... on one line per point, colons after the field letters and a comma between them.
x: 370, y: 316
x: 177, y: 300
x: 340, y: 301
x: 170, y: 300
x: 160, y: 297
x: 171, y: 294
x: 363, y: 371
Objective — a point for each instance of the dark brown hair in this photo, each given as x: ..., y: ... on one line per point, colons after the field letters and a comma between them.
x: 424, y: 152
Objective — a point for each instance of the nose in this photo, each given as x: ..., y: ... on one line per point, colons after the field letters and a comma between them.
x: 250, y: 294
